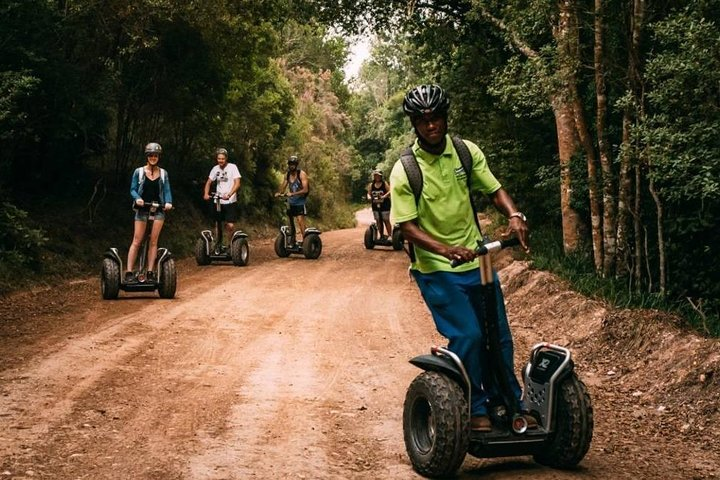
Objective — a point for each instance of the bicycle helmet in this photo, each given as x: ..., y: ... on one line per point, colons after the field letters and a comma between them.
x: 377, y: 172
x: 221, y: 151
x: 293, y: 160
x: 153, y: 148
x: 425, y: 99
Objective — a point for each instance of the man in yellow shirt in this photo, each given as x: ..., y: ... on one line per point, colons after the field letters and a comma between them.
x: 442, y: 227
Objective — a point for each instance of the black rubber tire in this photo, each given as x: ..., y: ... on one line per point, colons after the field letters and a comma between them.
x: 280, y: 249
x: 168, y: 279
x: 240, y: 251
x: 369, y: 239
x: 201, y: 256
x: 110, y: 279
x: 435, y: 425
x: 570, y: 440
x: 312, y: 246
x: 397, y: 239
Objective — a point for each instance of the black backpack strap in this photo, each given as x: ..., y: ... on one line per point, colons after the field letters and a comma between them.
x: 412, y: 170
x: 465, y: 156
x: 415, y: 178
x: 466, y: 160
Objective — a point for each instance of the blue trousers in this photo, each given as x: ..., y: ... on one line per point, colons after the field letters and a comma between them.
x: 455, y: 301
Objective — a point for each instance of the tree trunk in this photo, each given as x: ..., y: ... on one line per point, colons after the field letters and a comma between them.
x: 569, y: 53
x: 571, y: 223
x: 609, y: 220
x: 638, y: 231
x: 623, y: 264
x: 660, y: 235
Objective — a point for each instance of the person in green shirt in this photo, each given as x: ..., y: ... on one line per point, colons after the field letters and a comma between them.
x: 442, y: 227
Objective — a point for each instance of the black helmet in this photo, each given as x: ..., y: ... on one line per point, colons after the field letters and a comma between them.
x: 293, y: 160
x: 221, y: 151
x: 153, y: 148
x: 426, y: 99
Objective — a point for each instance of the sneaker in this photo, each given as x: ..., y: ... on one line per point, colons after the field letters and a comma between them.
x: 150, y: 276
x: 532, y: 422
x: 129, y: 277
x: 480, y: 424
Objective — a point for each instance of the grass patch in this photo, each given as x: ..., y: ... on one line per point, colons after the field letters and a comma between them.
x: 578, y: 270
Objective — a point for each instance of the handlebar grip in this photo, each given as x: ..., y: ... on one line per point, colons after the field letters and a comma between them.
x: 510, y: 242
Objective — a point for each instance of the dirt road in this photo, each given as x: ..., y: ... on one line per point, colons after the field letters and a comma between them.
x: 288, y: 368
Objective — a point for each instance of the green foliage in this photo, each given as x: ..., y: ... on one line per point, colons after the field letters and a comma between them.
x: 547, y: 254
x: 679, y: 143
x: 20, y: 242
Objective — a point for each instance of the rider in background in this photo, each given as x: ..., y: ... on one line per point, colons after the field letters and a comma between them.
x: 226, y: 177
x: 378, y: 192
x: 149, y: 184
x: 297, y: 182
x: 441, y: 225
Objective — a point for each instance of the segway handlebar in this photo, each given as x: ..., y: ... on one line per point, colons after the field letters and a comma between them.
x: 152, y: 206
x: 490, y: 247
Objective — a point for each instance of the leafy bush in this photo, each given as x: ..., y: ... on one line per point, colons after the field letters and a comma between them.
x: 19, y: 242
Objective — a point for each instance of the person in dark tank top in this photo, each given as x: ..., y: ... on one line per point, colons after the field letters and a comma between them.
x: 298, y: 185
x: 378, y: 192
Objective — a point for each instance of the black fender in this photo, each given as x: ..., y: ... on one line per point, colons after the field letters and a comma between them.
x: 441, y: 364
x: 163, y: 255
x: 207, y: 237
x: 113, y: 254
x: 239, y: 234
x: 310, y: 231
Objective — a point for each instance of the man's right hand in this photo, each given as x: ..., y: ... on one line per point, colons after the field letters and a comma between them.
x: 460, y: 254
x: 139, y: 202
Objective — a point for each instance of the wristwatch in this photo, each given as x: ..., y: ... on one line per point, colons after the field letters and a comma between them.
x: 520, y: 215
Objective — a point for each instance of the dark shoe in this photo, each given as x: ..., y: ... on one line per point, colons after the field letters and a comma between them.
x: 532, y: 422
x: 129, y: 277
x: 480, y: 424
x: 151, y: 277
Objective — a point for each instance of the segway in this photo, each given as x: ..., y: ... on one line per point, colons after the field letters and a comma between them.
x: 111, y: 280
x: 208, y: 250
x: 285, y: 243
x: 374, y: 238
x: 436, y: 412
x: 374, y: 233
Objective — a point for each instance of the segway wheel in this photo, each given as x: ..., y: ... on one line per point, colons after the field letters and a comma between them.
x: 570, y: 440
x: 397, y: 239
x: 280, y: 249
x: 110, y: 279
x: 435, y: 425
x: 312, y: 246
x: 201, y: 255
x: 168, y: 279
x: 369, y: 239
x: 240, y: 251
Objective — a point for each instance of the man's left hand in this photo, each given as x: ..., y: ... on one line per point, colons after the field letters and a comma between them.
x: 517, y: 226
